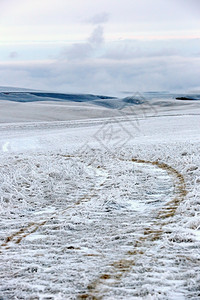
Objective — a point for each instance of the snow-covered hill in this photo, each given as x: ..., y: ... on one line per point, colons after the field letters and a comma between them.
x: 102, y: 208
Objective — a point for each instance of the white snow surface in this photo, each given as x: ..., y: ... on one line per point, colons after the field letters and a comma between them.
x: 76, y: 210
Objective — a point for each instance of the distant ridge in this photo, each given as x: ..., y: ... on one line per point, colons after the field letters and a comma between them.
x: 19, y: 95
x: 156, y: 98
x: 32, y: 96
x: 15, y: 89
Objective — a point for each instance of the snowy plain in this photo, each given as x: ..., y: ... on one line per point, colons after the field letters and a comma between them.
x: 101, y: 207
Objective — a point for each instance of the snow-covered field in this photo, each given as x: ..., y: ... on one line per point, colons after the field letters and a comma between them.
x: 102, y: 208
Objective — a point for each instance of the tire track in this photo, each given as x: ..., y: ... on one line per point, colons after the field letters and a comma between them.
x: 152, y: 234
x: 124, y: 265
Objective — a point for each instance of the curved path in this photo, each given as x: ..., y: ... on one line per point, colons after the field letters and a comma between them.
x: 153, y: 233
x: 122, y: 267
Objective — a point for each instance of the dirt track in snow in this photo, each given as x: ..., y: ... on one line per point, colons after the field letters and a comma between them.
x: 124, y: 265
x: 153, y: 233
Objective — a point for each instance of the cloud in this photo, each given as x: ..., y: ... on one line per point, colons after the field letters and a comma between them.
x: 77, y: 51
x: 97, y: 65
x: 100, y: 18
x: 13, y: 54
x: 97, y: 36
x: 130, y: 49
x: 88, y: 49
x: 105, y: 76
x: 56, y: 20
x: 110, y: 77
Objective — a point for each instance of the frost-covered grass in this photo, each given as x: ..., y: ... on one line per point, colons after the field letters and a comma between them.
x: 84, y: 221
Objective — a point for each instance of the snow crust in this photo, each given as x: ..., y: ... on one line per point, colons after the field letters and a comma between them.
x: 77, y: 212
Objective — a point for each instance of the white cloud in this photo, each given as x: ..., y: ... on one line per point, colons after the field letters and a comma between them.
x: 99, y: 18
x: 77, y: 51
x: 105, y: 76
x: 97, y: 37
x: 100, y: 63
x: 87, y: 49
x: 13, y: 54
x: 53, y: 17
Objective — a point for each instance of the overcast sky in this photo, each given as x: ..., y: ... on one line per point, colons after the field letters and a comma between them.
x: 106, y: 46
